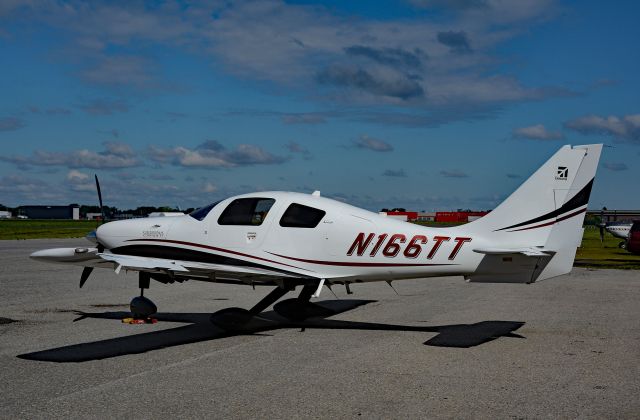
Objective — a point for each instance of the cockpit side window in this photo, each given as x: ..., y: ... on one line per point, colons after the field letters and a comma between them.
x: 201, y: 213
x: 246, y: 211
x: 299, y: 216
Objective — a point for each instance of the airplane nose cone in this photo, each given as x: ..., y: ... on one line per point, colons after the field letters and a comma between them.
x: 120, y: 232
x: 108, y: 233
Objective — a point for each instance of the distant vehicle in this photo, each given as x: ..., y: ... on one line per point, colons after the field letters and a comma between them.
x: 5, y: 214
x: 22, y: 216
x: 633, y: 242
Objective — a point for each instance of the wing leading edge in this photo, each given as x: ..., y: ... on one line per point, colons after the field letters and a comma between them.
x: 91, y: 257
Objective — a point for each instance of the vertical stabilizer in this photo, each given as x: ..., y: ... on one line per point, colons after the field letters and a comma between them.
x: 527, y: 216
x: 567, y: 231
x: 541, y: 222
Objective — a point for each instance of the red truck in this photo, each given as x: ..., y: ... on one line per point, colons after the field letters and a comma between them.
x: 633, y: 243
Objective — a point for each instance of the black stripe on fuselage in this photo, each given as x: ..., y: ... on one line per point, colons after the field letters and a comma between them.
x: 578, y: 200
x: 184, y: 254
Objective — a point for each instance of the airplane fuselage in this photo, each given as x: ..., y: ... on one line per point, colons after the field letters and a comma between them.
x: 347, y: 242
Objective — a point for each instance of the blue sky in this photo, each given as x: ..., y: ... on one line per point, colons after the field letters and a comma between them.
x: 424, y: 104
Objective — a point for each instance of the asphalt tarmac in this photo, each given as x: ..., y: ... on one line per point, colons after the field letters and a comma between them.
x: 564, y: 348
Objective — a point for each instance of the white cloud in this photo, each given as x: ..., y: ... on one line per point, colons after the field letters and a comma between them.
x: 537, y: 132
x: 362, y: 61
x: 77, y: 176
x: 625, y: 128
x: 369, y: 143
x: 208, y: 187
x: 212, y: 154
x: 18, y: 189
x: 120, y: 70
x: 116, y: 155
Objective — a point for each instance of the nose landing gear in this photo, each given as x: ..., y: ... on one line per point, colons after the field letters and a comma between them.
x: 141, y: 307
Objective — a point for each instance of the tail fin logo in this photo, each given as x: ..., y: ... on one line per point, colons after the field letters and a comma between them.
x: 563, y: 173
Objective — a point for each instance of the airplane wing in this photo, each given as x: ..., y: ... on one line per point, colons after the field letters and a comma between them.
x: 142, y: 263
x: 91, y: 257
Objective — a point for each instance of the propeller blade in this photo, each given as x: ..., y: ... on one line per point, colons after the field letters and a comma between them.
x: 86, y: 272
x: 99, y: 197
x: 98, y: 187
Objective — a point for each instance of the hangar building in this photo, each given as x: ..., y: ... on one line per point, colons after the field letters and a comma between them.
x: 72, y: 211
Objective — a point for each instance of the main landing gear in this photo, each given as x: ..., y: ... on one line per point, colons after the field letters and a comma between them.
x: 296, y: 309
x: 230, y: 319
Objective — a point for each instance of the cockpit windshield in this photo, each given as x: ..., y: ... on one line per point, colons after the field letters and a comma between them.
x: 201, y: 213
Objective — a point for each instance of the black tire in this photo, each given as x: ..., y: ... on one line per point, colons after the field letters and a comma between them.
x: 142, y: 307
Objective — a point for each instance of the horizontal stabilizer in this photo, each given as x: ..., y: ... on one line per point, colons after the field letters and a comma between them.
x: 510, y: 267
x: 529, y: 251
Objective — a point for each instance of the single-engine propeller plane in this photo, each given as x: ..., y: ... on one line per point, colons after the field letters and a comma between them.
x: 288, y: 240
x: 618, y: 230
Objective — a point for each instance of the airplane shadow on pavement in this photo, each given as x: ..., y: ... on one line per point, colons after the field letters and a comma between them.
x: 200, y: 328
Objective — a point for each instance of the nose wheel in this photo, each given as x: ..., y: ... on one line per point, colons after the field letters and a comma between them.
x: 141, y: 307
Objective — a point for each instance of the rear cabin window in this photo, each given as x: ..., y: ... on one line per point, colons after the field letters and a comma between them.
x: 246, y: 211
x: 299, y: 216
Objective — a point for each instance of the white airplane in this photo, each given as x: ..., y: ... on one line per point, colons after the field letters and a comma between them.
x: 619, y: 229
x: 287, y: 239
